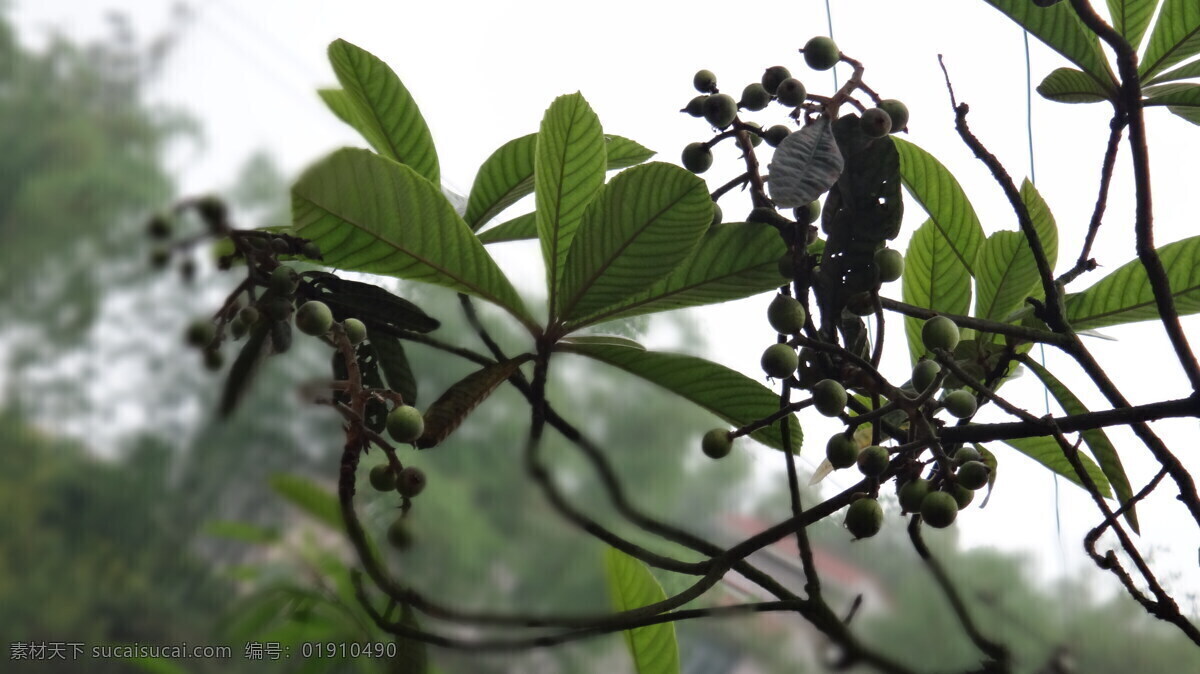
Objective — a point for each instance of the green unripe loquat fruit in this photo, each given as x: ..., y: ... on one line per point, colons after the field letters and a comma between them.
x: 200, y: 333
x: 897, y: 111
x: 405, y: 424
x: 410, y: 482
x: 791, y: 92
x: 716, y: 444
x: 962, y: 496
x: 960, y: 404
x: 913, y: 493
x: 889, y: 262
x: 938, y: 509
x: 829, y: 397
x: 875, y: 123
x: 786, y: 315
x: 965, y: 454
x: 356, y: 331
x: 773, y: 76
x: 754, y: 97
x: 873, y: 461
x: 695, y: 107
x: 806, y: 215
x: 861, y: 304
x: 399, y: 535
x: 786, y: 267
x: 923, y: 374
x: 973, y: 474
x: 314, y: 318
x: 284, y: 280
x: 720, y: 110
x: 717, y: 215
x: 779, y: 361
x: 864, y: 518
x: 382, y: 477
x: 775, y: 135
x: 821, y: 53
x: 841, y: 451
x: 704, y: 81
x: 939, y: 332
x: 697, y: 157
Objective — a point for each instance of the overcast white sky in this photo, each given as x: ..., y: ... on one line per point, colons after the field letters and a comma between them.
x: 484, y: 72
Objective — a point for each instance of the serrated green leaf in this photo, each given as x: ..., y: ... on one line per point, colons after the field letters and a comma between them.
x: 309, y: 497
x: 451, y: 409
x: 1043, y: 221
x: 1060, y: 29
x: 1005, y: 274
x: 1068, y: 85
x: 1045, y: 450
x: 568, y: 172
x: 934, y: 278
x: 938, y: 192
x: 385, y: 113
x: 1181, y: 98
x: 1176, y: 37
x: 1124, y: 296
x: 518, y: 229
x: 396, y: 368
x: 623, y: 153
x: 241, y: 531
x: 1096, y: 439
x: 1131, y: 18
x: 641, y: 225
x: 507, y: 175
x: 733, y: 261
x: 1184, y: 72
x: 630, y: 586
x: 370, y: 214
x: 726, y: 393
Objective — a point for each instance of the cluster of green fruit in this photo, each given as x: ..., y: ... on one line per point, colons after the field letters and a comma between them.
x: 404, y: 424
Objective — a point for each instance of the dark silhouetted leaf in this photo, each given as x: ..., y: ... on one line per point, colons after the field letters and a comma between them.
x: 448, y: 412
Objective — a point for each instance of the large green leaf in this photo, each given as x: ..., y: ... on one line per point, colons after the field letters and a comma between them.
x: 630, y: 586
x: 568, y: 171
x: 1005, y: 271
x: 507, y: 175
x: 639, y: 227
x: 1045, y: 450
x: 387, y: 116
x: 503, y: 179
x: 733, y: 260
x: 1096, y: 439
x: 1004, y: 274
x: 1131, y: 18
x: 518, y: 229
x: 1068, y: 85
x: 1180, y: 98
x: 726, y: 393
x: 938, y: 192
x: 1185, y: 72
x: 1124, y: 296
x: 1060, y: 29
x: 934, y: 278
x: 1176, y: 36
x: 370, y: 214
x: 309, y: 497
